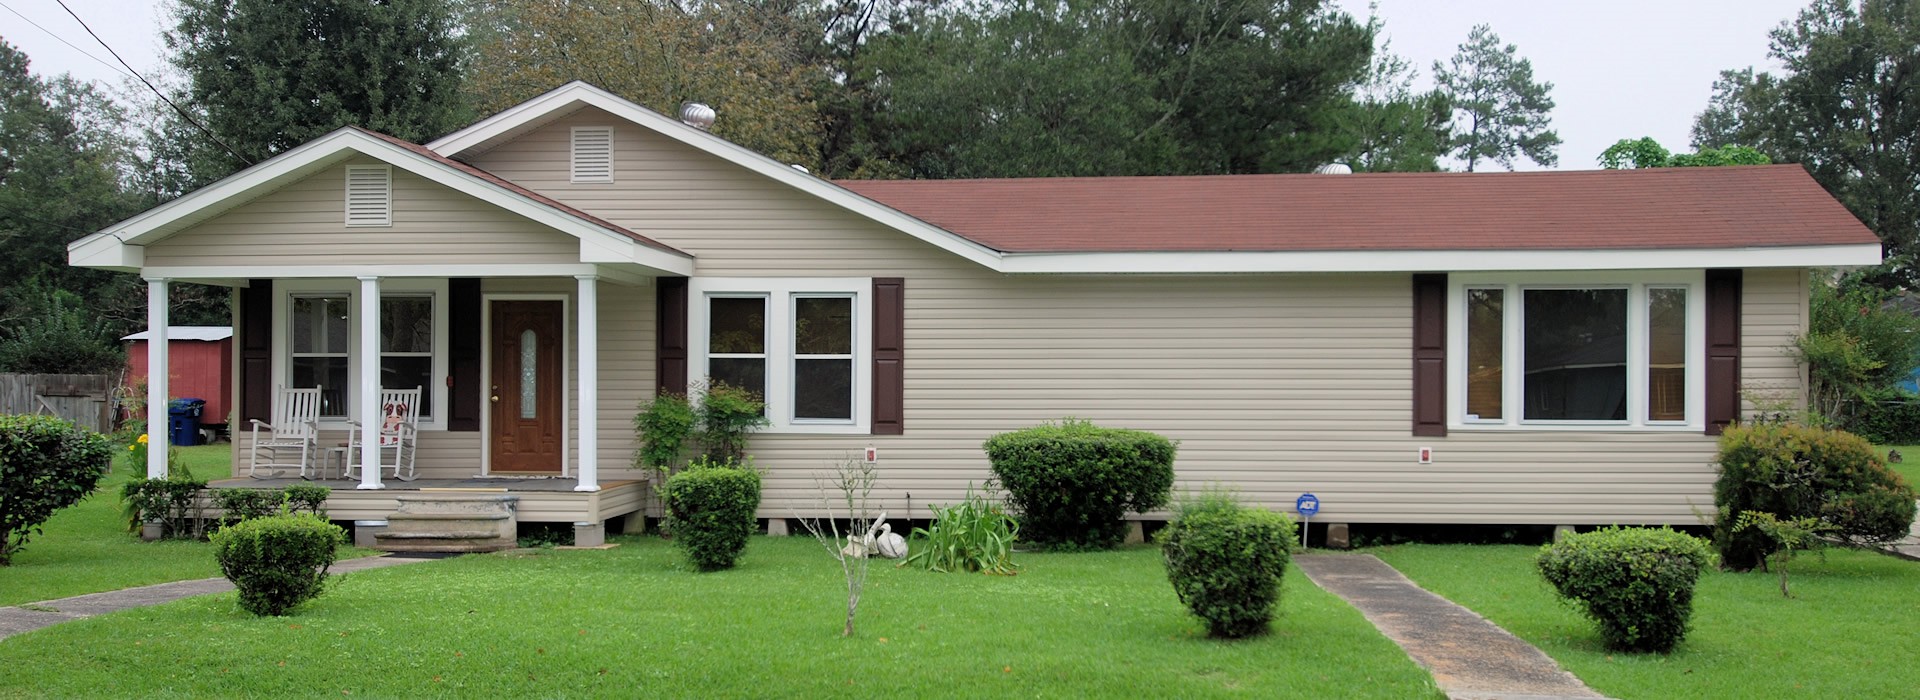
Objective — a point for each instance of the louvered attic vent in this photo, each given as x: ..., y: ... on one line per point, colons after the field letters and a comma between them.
x: 369, y: 195
x: 593, y: 154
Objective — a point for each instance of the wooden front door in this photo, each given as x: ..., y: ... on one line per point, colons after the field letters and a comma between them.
x: 525, y: 392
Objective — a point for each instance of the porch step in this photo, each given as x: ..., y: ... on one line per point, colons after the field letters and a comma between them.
x: 451, y: 522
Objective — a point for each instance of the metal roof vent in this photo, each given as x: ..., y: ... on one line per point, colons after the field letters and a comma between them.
x: 1333, y: 169
x: 696, y: 115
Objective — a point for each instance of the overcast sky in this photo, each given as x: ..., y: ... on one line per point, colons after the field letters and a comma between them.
x: 1619, y: 68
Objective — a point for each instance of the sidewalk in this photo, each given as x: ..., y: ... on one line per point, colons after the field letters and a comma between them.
x: 32, y: 616
x: 1908, y: 548
x: 1470, y: 658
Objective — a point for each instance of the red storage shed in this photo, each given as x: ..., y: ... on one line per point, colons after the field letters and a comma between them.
x: 200, y: 360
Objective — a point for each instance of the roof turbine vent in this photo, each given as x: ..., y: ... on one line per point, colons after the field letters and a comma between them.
x: 696, y: 115
x: 1335, y: 168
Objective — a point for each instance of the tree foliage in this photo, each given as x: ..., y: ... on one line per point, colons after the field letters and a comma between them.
x: 1846, y: 106
x: 1857, y: 346
x: 1500, y: 113
x: 1394, y: 128
x: 1644, y: 152
x: 268, y: 75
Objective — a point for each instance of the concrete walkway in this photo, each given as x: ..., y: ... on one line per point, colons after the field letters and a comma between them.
x: 1908, y: 548
x: 1470, y: 658
x: 32, y: 616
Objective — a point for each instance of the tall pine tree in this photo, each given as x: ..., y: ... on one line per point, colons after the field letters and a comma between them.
x: 1500, y: 113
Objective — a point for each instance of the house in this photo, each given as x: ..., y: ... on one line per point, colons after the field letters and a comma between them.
x: 1552, y: 347
x: 198, y: 366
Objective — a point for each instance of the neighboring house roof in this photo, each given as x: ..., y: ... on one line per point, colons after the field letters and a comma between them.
x: 1719, y: 207
x: 188, y: 333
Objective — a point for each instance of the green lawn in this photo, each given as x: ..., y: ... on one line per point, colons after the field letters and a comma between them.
x: 87, y: 549
x: 633, y: 622
x: 1848, y: 632
x: 1910, y: 466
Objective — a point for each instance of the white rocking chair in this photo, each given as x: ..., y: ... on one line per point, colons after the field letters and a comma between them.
x: 399, y: 433
x: 295, y: 428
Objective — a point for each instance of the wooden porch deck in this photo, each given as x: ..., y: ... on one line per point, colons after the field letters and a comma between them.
x: 541, y: 500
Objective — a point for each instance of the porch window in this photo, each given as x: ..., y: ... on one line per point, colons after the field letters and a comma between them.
x: 320, y: 339
x: 322, y: 335
x: 406, y: 346
x: 802, y: 344
x: 1577, y: 350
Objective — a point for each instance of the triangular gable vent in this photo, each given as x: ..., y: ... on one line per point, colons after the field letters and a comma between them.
x: 593, y: 154
x: 369, y: 195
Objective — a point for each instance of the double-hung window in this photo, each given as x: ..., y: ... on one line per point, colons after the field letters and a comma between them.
x: 801, y: 344
x: 319, y: 333
x: 1577, y: 350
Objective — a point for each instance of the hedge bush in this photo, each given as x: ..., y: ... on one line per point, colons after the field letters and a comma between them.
x: 45, y: 464
x: 279, y: 561
x: 1795, y: 471
x: 1887, y: 422
x: 1072, y: 482
x: 1226, y: 561
x: 712, y: 506
x: 1635, y: 583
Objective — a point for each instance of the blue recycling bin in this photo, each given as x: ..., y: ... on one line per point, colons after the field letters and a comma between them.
x: 183, y: 421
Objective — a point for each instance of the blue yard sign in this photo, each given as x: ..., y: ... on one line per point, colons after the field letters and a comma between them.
x: 1308, y: 504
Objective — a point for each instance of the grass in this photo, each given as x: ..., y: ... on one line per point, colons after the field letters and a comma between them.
x: 1910, y: 468
x: 1848, y: 632
x: 635, y: 622
x: 87, y: 549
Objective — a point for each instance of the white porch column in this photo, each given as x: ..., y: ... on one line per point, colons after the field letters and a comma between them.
x: 157, y: 433
x: 588, y: 328
x: 369, y: 393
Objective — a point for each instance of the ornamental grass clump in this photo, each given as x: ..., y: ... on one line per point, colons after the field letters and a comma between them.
x: 1794, y: 472
x: 277, y: 562
x: 1226, y: 561
x: 46, y: 464
x: 712, y: 505
x: 1636, y: 584
x: 974, y: 535
x: 1073, y: 482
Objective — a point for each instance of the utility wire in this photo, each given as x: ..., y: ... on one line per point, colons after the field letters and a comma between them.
x: 156, y: 91
x: 57, y: 37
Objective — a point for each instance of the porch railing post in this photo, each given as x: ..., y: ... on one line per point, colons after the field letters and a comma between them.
x: 157, y: 418
x: 587, y: 307
x: 369, y: 381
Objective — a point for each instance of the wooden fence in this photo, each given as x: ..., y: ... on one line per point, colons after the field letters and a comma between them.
x: 85, y: 399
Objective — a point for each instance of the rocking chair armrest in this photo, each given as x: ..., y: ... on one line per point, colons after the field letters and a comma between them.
x: 258, y: 424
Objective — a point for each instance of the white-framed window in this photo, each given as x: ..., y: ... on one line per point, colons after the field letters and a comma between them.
x: 802, y: 343
x: 369, y: 195
x: 1577, y: 350
x: 316, y: 338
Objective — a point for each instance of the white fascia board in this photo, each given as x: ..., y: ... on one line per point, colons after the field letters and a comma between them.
x: 1438, y: 261
x: 200, y: 272
x: 565, y: 96
x: 107, y: 253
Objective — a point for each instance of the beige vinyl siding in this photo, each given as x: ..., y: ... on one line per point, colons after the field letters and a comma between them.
x: 305, y: 224
x: 1273, y: 384
x: 1773, y: 311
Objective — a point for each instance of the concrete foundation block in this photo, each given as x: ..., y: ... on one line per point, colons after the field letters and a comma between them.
x: 1136, y: 532
x: 1560, y: 532
x: 1339, y: 536
x: 634, y: 523
x: 151, y: 531
x: 777, y: 527
x: 589, y: 534
x: 365, y: 532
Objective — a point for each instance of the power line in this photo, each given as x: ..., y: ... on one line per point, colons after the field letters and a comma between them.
x: 57, y: 37
x: 156, y: 91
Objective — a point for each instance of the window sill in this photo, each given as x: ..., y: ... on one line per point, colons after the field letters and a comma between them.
x: 1572, y: 428
x: 816, y: 429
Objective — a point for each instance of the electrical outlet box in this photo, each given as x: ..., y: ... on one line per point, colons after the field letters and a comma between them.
x: 1426, y: 455
x: 873, y: 454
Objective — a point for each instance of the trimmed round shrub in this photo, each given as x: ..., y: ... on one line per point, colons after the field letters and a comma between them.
x: 279, y: 561
x: 45, y: 464
x: 1636, y: 584
x: 1796, y: 471
x: 1072, y: 482
x: 712, y: 507
x: 1226, y: 561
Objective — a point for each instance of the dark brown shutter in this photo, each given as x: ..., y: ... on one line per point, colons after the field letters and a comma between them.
x: 256, y: 352
x: 1723, y: 349
x: 463, y: 357
x: 1430, y: 354
x: 889, y: 355
x: 670, y: 339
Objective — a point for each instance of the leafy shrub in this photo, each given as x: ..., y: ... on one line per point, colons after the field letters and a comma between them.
x: 726, y: 414
x: 45, y: 464
x: 1794, y: 471
x: 1857, y: 346
x: 975, y: 534
x: 1887, y: 421
x: 308, y: 498
x: 174, y: 502
x: 277, y: 562
x: 247, y: 504
x: 1226, y: 561
x: 712, y: 506
x: 1073, y: 481
x: 1789, y: 537
x: 663, y: 425
x: 1635, y: 583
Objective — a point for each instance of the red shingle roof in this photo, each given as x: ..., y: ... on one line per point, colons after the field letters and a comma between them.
x: 522, y: 191
x: 1718, y: 207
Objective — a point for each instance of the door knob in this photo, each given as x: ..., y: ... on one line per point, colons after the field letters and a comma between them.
x: 495, y: 399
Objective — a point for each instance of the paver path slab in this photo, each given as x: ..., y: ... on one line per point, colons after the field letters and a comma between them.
x: 1469, y: 657
x: 47, y: 613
